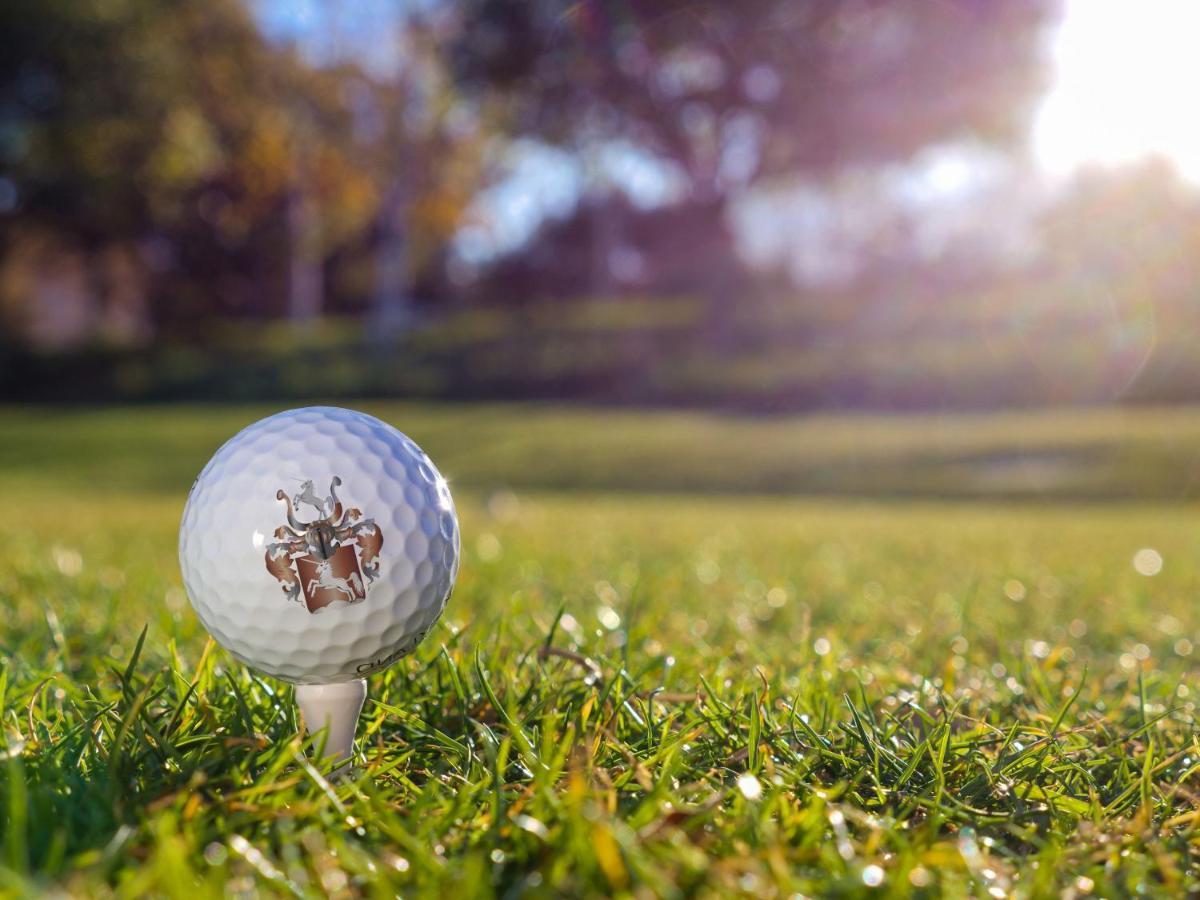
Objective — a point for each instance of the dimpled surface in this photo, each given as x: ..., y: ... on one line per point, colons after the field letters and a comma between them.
x: 232, y: 516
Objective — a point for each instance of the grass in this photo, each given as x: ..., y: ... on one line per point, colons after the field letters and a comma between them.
x: 1086, y: 454
x: 729, y: 687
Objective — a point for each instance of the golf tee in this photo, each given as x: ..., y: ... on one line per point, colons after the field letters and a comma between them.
x: 334, y: 707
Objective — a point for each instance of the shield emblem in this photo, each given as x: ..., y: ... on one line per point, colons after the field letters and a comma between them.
x: 327, y: 580
x: 334, y: 556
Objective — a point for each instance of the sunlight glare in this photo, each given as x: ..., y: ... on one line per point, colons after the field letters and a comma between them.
x: 1124, y: 86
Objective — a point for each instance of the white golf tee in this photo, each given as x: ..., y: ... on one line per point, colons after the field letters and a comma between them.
x: 334, y: 707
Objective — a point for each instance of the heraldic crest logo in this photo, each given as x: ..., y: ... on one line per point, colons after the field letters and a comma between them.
x: 327, y: 558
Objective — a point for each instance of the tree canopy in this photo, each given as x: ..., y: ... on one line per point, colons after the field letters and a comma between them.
x: 734, y: 92
x: 224, y: 157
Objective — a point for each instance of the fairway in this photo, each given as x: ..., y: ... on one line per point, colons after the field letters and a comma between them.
x: 687, y: 655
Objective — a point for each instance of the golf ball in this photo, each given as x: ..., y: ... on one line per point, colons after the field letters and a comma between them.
x: 319, y: 545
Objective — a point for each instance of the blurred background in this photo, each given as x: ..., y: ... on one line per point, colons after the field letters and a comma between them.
x: 771, y: 205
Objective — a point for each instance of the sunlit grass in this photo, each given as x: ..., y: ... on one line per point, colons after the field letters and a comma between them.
x: 1045, y: 455
x: 630, y: 692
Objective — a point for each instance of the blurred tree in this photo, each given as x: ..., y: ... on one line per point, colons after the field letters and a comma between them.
x: 437, y: 144
x: 425, y: 144
x: 155, y: 124
x: 1119, y: 263
x: 1124, y: 242
x: 733, y: 94
x: 233, y: 172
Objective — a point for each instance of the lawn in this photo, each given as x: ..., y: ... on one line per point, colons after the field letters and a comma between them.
x: 688, y: 655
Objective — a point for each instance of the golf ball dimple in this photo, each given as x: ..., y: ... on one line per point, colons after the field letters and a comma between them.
x: 319, y: 545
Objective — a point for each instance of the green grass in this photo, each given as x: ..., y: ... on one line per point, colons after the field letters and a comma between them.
x: 726, y: 687
x: 1088, y: 454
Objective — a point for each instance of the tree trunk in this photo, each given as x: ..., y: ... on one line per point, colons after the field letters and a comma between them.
x: 392, y: 308
x: 606, y: 232
x: 725, y: 287
x: 306, y: 283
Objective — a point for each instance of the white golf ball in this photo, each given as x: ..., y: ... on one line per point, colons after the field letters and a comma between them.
x: 319, y: 545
